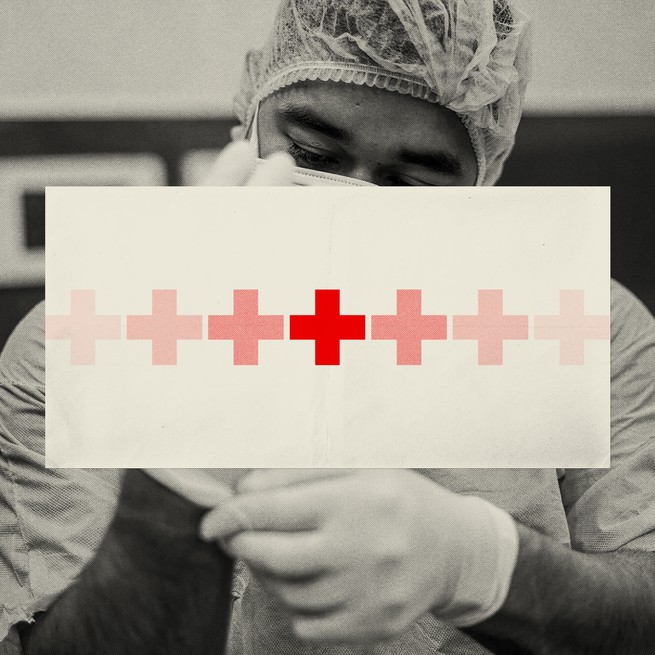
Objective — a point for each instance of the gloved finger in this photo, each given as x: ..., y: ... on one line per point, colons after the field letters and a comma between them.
x: 263, y: 479
x: 229, y: 477
x: 318, y: 594
x: 276, y: 170
x: 292, y: 555
x: 233, y: 167
x: 342, y: 626
x: 196, y: 485
x: 282, y: 511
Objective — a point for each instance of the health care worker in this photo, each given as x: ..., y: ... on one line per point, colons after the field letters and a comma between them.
x: 385, y: 92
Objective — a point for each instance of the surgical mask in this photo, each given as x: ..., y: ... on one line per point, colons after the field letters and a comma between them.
x: 307, y: 176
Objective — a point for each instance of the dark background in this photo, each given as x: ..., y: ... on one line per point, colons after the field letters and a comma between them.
x: 550, y: 151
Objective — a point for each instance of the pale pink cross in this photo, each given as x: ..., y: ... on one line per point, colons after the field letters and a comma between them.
x: 572, y: 327
x: 490, y: 327
x: 83, y: 327
x: 409, y: 327
x: 246, y: 327
x: 164, y: 327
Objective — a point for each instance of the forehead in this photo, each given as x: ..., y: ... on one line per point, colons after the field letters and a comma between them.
x: 374, y: 115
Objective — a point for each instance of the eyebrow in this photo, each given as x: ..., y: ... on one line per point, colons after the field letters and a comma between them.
x: 442, y: 162
x: 310, y: 120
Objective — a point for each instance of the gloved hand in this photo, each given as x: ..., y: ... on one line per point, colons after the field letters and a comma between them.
x: 237, y: 166
x: 359, y: 555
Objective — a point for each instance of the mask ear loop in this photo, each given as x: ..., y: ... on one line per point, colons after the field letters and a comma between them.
x: 477, y: 141
x: 254, y: 130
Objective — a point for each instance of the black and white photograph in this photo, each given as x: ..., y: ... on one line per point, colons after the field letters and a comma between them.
x: 242, y: 418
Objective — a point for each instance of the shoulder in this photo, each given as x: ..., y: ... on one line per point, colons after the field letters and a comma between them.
x: 632, y: 371
x: 633, y: 326
x: 23, y: 358
x: 632, y: 362
x: 614, y: 508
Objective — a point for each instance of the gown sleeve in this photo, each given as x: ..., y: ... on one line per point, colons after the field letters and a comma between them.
x: 51, y: 520
x: 612, y: 509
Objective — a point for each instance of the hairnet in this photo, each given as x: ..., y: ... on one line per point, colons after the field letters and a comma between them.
x: 471, y: 56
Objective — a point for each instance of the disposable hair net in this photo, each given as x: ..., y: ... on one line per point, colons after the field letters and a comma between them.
x: 471, y: 56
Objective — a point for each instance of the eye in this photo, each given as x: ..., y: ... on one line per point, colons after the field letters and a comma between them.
x: 398, y: 179
x: 309, y: 159
x: 395, y: 180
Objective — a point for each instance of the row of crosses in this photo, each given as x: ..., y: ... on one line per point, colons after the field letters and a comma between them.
x: 327, y: 327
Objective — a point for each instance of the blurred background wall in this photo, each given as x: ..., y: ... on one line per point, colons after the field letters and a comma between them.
x: 128, y: 92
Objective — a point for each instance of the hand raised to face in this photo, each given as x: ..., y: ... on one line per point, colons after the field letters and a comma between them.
x: 236, y: 166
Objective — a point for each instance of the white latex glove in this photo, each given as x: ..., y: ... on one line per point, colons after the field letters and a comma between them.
x: 236, y: 166
x: 359, y: 557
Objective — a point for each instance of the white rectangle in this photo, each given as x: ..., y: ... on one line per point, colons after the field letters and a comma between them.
x: 368, y: 411
x: 20, y: 265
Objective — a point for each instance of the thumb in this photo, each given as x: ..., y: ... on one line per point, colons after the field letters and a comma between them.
x: 268, y: 479
x: 276, y: 170
x: 291, y: 509
x: 224, y: 521
x: 233, y: 167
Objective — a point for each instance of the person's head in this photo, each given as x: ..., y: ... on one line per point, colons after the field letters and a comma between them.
x: 391, y: 91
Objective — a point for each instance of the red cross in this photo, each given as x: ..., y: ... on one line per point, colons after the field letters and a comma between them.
x: 246, y: 327
x: 327, y: 327
x: 409, y: 327
x: 490, y: 327
x: 571, y: 327
x: 164, y: 327
x: 83, y: 327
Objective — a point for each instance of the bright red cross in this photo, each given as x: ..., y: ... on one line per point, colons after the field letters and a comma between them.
x: 571, y: 327
x: 164, y: 327
x: 83, y: 327
x: 409, y: 327
x: 328, y: 327
x: 490, y: 327
x: 246, y: 327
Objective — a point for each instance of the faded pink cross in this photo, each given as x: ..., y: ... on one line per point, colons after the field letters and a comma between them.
x: 409, y: 327
x: 246, y: 327
x: 83, y: 327
x: 572, y: 327
x: 490, y: 327
x: 164, y: 327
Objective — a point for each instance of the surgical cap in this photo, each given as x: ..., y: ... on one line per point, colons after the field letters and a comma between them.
x: 471, y: 56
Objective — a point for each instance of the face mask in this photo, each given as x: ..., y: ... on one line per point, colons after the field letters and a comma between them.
x: 306, y: 176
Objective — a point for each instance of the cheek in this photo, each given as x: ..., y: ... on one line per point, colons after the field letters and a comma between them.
x: 470, y: 173
x: 466, y: 154
x: 271, y: 139
x: 470, y: 164
x: 272, y: 142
